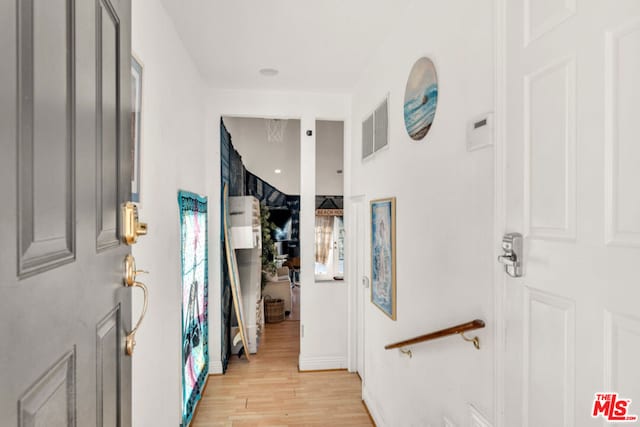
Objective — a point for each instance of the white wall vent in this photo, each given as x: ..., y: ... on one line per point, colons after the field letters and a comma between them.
x: 375, y: 130
x: 367, y: 137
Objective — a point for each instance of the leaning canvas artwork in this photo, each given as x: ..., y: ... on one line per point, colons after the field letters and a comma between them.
x: 383, y: 255
x: 195, y: 352
x: 420, y: 99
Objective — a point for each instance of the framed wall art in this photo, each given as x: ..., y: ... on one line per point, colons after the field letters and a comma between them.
x: 420, y: 99
x: 383, y: 255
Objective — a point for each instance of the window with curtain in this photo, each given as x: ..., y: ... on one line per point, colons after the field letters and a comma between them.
x: 329, y: 247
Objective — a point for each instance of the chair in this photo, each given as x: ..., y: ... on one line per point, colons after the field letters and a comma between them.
x: 294, y: 265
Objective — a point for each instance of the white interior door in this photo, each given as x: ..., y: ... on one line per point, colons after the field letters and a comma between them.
x: 573, y: 189
x: 361, y: 283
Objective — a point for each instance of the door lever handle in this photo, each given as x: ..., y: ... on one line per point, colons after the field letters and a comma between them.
x: 511, y: 256
x: 130, y: 281
x: 131, y: 336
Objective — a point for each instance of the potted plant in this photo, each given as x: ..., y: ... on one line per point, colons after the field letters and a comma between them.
x: 268, y: 244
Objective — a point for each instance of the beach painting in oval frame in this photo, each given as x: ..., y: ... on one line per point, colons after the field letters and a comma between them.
x: 420, y: 98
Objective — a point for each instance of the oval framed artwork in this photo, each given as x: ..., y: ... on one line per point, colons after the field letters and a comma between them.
x: 420, y: 99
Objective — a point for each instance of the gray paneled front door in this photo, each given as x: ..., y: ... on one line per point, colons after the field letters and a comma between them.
x: 64, y: 171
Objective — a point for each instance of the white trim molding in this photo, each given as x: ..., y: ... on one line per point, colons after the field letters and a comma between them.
x: 321, y: 363
x: 374, y: 410
x: 215, y: 367
x: 499, y: 214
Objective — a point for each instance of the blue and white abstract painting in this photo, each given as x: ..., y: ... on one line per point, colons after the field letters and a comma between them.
x: 420, y: 99
x: 383, y: 274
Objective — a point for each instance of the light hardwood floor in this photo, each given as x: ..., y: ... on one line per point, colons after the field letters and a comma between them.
x: 270, y: 391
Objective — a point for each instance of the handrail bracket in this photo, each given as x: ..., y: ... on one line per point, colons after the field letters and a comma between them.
x: 406, y: 352
x: 475, y: 340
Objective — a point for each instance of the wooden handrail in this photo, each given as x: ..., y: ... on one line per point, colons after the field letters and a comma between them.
x: 458, y: 329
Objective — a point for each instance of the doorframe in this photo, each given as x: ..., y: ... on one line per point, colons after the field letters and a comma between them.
x: 353, y: 282
x: 216, y: 367
x: 499, y: 215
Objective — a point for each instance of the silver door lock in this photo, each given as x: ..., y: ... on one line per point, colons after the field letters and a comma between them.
x: 512, y: 258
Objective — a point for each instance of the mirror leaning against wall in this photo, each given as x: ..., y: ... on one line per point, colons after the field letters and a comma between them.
x: 329, y: 222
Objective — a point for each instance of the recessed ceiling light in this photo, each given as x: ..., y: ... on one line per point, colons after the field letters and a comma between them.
x: 269, y: 72
x: 277, y: 171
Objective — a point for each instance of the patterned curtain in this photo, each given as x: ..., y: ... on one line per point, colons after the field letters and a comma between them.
x: 324, y: 238
x: 225, y: 283
x: 195, y: 328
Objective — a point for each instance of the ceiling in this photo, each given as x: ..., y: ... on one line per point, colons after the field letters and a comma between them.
x: 320, y: 45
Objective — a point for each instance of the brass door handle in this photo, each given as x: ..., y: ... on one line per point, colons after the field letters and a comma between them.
x: 130, y: 281
x: 131, y: 336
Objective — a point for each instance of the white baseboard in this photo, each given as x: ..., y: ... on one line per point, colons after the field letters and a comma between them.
x: 215, y: 367
x: 321, y: 363
x: 373, y: 408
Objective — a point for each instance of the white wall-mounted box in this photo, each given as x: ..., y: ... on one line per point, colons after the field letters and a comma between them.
x: 480, y: 132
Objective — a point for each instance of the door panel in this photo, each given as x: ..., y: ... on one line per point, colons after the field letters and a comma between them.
x: 549, y: 323
x: 549, y: 136
x: 108, y: 368
x: 542, y: 16
x: 64, y: 134
x: 51, y: 401
x: 363, y: 294
x: 107, y: 114
x: 622, y: 135
x: 46, y: 190
x: 571, y: 184
x: 622, y: 340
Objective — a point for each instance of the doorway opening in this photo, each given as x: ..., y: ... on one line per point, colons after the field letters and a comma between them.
x: 329, y: 215
x: 260, y: 165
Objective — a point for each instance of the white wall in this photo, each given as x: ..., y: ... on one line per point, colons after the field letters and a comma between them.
x: 173, y: 124
x: 329, y: 158
x: 324, y: 345
x: 262, y: 158
x: 445, y: 199
x: 444, y: 218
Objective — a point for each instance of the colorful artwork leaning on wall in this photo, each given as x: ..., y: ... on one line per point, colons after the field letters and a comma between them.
x: 195, y: 350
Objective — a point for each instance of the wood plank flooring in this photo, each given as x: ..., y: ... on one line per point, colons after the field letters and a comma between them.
x: 270, y: 391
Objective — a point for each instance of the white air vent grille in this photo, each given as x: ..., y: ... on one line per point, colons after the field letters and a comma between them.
x: 375, y: 130
x: 367, y: 137
x: 381, y: 123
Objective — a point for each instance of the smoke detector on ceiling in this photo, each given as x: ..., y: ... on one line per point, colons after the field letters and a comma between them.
x: 269, y: 72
